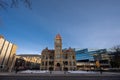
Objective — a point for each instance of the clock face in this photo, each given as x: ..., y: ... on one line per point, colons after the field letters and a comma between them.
x: 57, y: 41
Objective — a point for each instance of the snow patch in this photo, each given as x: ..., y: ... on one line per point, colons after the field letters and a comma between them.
x: 81, y: 72
x: 33, y: 71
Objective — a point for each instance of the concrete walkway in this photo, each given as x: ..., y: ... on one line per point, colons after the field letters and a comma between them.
x: 59, y: 73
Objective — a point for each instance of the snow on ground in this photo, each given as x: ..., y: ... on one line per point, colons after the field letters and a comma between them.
x: 33, y: 71
x: 81, y: 72
x: 38, y: 71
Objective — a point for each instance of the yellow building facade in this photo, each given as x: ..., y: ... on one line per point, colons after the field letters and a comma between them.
x: 28, y: 61
x: 7, y: 55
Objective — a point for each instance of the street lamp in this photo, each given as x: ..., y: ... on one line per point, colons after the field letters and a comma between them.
x: 98, y: 62
x: 51, y: 68
x: 64, y: 67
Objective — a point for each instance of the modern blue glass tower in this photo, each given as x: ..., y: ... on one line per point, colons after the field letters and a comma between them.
x: 86, y: 59
x: 85, y: 54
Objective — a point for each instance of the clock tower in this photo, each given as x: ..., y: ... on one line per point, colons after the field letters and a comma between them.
x: 58, y: 53
x: 58, y: 59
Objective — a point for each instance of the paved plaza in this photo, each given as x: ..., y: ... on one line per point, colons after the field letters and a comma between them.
x: 60, y: 75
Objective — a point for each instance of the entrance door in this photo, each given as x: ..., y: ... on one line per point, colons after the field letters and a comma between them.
x: 65, y: 69
x: 57, y: 67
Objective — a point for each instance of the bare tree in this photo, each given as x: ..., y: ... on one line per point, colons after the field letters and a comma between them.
x: 115, y: 61
x: 4, y: 4
x: 116, y: 48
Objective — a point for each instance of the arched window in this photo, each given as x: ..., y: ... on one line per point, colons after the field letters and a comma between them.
x: 73, y: 57
x: 46, y: 63
x: 65, y: 62
x: 66, y: 56
x: 42, y: 63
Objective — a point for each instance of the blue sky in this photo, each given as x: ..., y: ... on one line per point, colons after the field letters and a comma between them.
x: 81, y: 23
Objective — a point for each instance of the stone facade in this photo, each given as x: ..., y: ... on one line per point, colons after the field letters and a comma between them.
x: 28, y: 61
x: 58, y: 59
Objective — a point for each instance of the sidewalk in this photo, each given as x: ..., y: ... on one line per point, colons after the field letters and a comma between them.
x: 58, y: 74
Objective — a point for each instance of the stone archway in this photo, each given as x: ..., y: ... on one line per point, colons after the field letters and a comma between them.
x: 58, y: 64
x: 58, y: 67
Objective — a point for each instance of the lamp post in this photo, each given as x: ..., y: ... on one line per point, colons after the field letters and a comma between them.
x: 51, y: 68
x: 98, y: 63
x: 64, y: 68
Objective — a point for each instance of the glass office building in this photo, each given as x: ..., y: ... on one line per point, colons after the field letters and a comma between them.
x: 86, y: 59
x: 91, y: 55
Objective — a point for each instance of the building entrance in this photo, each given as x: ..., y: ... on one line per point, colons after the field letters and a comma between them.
x: 58, y: 67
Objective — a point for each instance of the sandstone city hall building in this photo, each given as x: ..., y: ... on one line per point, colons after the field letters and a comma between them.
x: 58, y: 59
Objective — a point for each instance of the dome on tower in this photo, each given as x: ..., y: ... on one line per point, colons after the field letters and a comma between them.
x: 58, y: 36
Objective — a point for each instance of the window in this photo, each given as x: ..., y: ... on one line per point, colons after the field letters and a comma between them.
x: 66, y: 56
x: 73, y: 57
x: 65, y: 62
x: 74, y: 63
x: 46, y: 63
x: 58, y: 47
x: 42, y: 63
x: 57, y: 41
x: 70, y: 63
x: 58, y: 56
x: 43, y: 57
x: 46, y: 57
x: 51, y: 63
x: 50, y: 57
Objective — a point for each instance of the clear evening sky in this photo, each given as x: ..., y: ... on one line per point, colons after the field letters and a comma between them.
x: 81, y: 23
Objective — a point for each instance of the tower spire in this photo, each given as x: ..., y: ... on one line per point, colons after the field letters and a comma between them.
x: 58, y: 36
